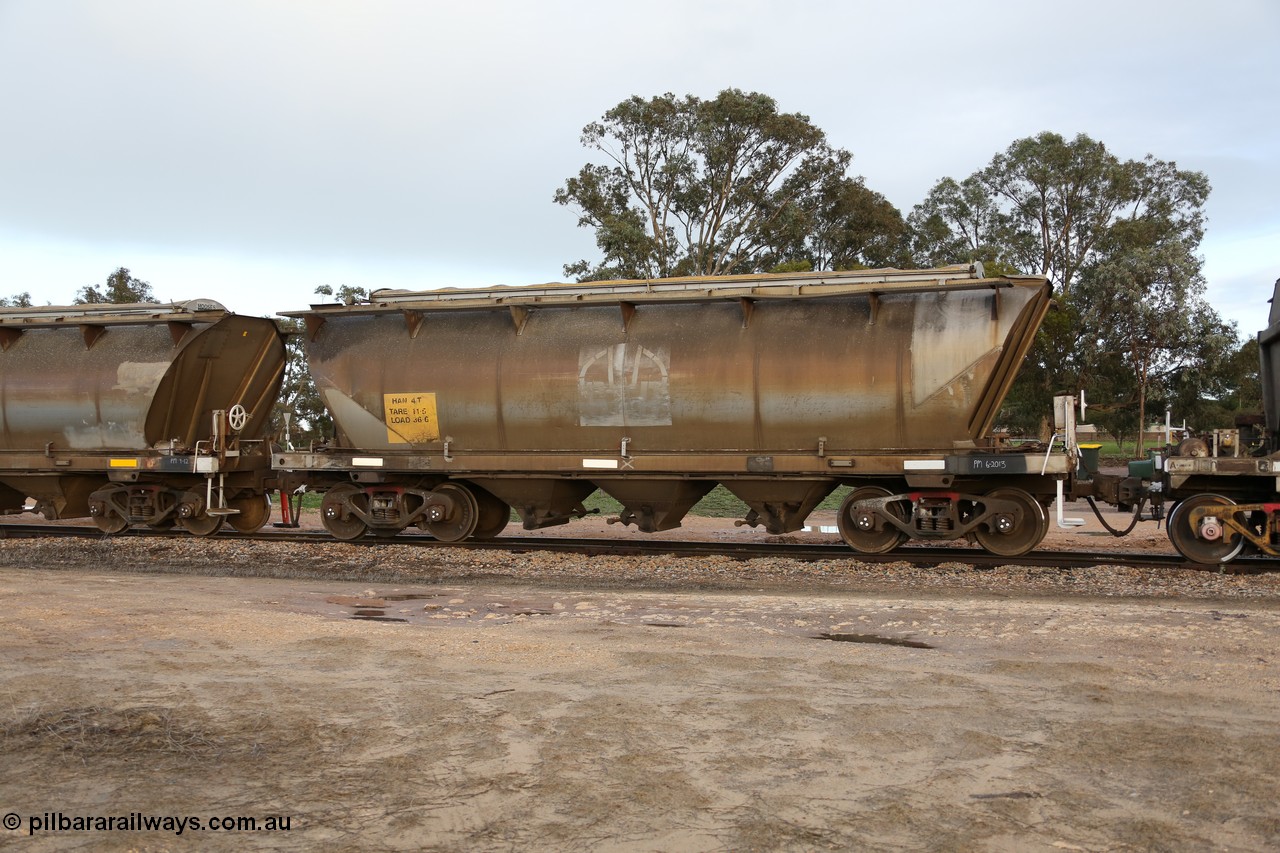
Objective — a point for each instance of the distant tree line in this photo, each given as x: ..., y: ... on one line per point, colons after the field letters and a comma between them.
x: 120, y: 288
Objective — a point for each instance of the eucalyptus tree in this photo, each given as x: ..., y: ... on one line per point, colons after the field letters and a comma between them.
x: 1242, y: 379
x: 709, y: 187
x: 962, y: 221
x: 121, y: 288
x: 1117, y: 238
x: 1057, y: 200
x: 309, y: 419
x: 1050, y: 206
x: 849, y: 226
x: 1143, y: 310
x: 1141, y: 292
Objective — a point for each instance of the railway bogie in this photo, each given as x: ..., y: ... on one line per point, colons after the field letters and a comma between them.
x: 1003, y: 518
x: 1223, y: 506
x: 447, y: 510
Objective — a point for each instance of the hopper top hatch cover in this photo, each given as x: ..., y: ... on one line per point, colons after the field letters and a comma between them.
x: 630, y: 293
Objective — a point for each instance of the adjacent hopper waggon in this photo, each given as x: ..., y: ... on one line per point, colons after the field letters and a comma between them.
x: 1226, y: 483
x: 138, y: 414
x: 454, y: 407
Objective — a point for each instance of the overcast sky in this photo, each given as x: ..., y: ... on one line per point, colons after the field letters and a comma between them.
x: 251, y: 150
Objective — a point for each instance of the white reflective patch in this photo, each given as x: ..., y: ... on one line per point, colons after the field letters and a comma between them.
x: 367, y: 461
x: 924, y: 465
x: 955, y: 341
x: 599, y: 463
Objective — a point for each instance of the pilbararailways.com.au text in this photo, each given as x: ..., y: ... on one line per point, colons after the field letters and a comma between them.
x: 139, y: 822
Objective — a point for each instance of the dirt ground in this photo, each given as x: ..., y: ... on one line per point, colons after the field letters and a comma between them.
x: 501, y: 712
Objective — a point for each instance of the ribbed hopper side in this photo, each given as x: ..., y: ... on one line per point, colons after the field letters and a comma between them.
x: 128, y: 378
x: 863, y: 361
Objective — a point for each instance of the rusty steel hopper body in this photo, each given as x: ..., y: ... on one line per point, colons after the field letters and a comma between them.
x: 119, y: 411
x: 778, y: 386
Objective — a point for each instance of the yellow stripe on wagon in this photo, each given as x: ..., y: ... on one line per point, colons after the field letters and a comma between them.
x: 124, y: 463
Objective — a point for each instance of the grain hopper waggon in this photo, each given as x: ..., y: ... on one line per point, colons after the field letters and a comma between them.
x: 454, y: 406
x: 138, y: 414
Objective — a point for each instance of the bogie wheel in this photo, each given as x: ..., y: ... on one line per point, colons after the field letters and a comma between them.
x: 101, y: 507
x: 461, y: 522
x: 1016, y: 534
x: 202, y: 525
x: 255, y: 511
x: 858, y: 528
x: 199, y: 523
x: 340, y: 523
x: 110, y: 523
x: 1189, y: 540
x: 494, y: 516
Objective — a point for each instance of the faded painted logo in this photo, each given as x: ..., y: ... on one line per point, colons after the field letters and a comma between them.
x: 624, y: 385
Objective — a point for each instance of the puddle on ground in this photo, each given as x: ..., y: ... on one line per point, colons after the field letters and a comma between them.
x: 376, y: 616
x: 1219, y: 616
x: 875, y: 639
x: 463, y: 607
x: 821, y: 528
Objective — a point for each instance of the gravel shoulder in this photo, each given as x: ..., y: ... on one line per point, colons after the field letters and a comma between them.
x: 396, y: 698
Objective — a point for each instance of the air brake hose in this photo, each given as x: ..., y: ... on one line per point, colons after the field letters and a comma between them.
x: 1137, y: 513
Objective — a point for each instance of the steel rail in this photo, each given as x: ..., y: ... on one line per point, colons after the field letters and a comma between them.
x: 917, y: 555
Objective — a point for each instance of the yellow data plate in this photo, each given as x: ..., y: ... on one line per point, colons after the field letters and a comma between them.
x: 411, y: 418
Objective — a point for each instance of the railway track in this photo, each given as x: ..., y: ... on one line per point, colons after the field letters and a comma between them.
x: 917, y: 555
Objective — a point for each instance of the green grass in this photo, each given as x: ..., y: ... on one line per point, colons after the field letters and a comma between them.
x: 719, y: 503
x: 1109, y: 447
x: 1118, y: 453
